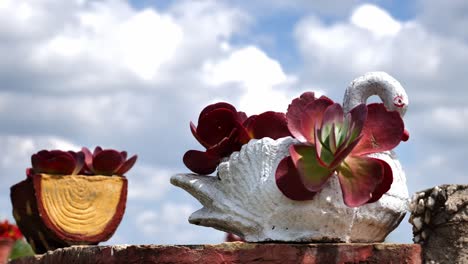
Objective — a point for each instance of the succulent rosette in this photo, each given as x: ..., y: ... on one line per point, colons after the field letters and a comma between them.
x: 222, y: 130
x: 107, y: 161
x: 100, y: 162
x: 56, y: 162
x: 336, y: 142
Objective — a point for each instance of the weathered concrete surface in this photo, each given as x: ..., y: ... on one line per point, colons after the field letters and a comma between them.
x: 440, y: 223
x: 234, y: 252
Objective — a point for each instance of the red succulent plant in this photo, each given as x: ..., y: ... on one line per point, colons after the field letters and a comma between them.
x: 335, y: 142
x: 56, y: 162
x: 100, y: 162
x: 223, y: 130
x: 107, y: 161
x: 9, y: 231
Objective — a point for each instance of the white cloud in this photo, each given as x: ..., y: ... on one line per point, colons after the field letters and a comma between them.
x: 447, y: 18
x: 450, y: 119
x: 376, y: 20
x: 169, y: 225
x: 148, y: 183
x: 259, y: 76
x: 140, y: 42
x: 355, y: 48
x: 19, y: 149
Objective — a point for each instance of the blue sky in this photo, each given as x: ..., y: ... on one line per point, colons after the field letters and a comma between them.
x: 131, y: 75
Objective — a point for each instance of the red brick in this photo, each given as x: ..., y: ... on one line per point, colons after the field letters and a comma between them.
x: 234, y: 252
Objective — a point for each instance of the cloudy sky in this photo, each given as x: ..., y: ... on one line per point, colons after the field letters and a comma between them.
x: 130, y: 75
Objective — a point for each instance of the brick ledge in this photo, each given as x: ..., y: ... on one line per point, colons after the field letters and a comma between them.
x: 234, y: 252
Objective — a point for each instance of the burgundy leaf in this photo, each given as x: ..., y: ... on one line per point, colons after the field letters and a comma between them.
x: 241, y: 117
x: 79, y: 160
x: 289, y: 181
x: 29, y: 172
x: 212, y: 107
x: 88, y: 158
x: 53, y: 162
x: 359, y: 116
x: 295, y: 113
x: 216, y: 125
x: 269, y: 124
x: 385, y: 184
x: 126, y: 166
x: 107, y: 162
x: 226, y: 146
x: 359, y: 177
x: 97, y: 150
x: 383, y: 130
x: 193, y: 128
x: 303, y: 113
x: 201, y: 162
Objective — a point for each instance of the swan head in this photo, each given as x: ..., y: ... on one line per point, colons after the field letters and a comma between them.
x: 390, y: 91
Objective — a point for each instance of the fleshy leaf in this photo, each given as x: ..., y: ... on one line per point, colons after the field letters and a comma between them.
x: 193, y: 129
x: 53, y: 162
x: 216, y: 125
x: 333, y: 114
x: 30, y: 172
x: 127, y: 165
x: 97, y: 150
x: 313, y: 116
x: 358, y: 117
x: 79, y: 161
x: 269, y: 124
x: 385, y: 184
x: 107, y: 162
x: 200, y: 162
x: 226, y: 146
x: 383, y: 130
x: 289, y: 181
x: 313, y: 174
x: 212, y: 107
x: 241, y: 117
x: 296, y: 112
x: 88, y: 158
x: 359, y: 177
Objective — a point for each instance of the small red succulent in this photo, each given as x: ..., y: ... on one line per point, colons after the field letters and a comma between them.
x: 101, y: 162
x: 56, y: 162
x: 222, y: 130
x: 335, y: 142
x: 9, y: 231
x: 107, y: 162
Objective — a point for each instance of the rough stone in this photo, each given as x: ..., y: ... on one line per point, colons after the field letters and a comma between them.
x: 444, y: 232
x: 234, y: 252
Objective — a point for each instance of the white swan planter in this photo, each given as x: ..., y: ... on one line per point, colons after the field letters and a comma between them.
x: 245, y: 200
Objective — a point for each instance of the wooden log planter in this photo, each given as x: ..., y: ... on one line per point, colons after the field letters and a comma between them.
x: 56, y: 211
